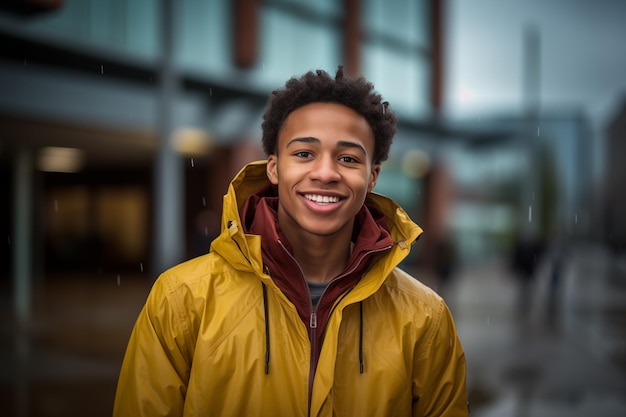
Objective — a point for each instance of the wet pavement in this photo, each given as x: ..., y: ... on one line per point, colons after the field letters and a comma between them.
x: 65, y: 362
x: 561, y: 358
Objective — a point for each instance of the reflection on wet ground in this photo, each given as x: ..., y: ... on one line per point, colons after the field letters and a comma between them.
x: 564, y: 356
x: 66, y: 360
x: 561, y: 358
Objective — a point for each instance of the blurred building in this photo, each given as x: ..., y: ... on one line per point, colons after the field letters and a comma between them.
x: 121, y: 123
x: 514, y: 179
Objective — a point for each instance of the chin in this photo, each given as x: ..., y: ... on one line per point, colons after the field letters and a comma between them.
x: 323, y: 231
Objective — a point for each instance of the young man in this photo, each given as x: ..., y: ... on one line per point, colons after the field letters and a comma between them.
x: 299, y: 309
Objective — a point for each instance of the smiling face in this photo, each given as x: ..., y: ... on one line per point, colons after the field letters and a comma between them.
x: 323, y: 168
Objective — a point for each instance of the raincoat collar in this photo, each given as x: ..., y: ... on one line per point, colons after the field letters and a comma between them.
x: 253, y: 178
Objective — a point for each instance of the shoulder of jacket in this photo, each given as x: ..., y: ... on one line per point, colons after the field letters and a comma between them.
x: 193, y: 276
x: 412, y: 289
x: 185, y: 272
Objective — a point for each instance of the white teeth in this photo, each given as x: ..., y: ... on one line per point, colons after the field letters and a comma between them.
x: 321, y: 199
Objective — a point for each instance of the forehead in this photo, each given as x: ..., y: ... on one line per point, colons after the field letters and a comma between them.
x: 326, y: 121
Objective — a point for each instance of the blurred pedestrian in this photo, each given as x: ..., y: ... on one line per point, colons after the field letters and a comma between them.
x: 558, y: 253
x: 299, y: 309
x: 445, y: 264
x: 526, y: 257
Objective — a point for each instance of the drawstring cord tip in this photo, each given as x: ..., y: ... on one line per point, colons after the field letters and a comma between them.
x: 361, y: 367
x: 267, y: 330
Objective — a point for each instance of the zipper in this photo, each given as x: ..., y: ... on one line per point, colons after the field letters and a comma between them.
x: 313, y: 316
x: 312, y: 330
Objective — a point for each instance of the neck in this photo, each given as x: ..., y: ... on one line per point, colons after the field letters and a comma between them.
x: 321, y: 257
x: 323, y: 260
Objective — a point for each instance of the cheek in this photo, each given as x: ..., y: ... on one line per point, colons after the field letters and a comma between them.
x: 363, y: 187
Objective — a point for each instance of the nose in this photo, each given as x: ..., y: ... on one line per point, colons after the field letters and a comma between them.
x: 326, y: 170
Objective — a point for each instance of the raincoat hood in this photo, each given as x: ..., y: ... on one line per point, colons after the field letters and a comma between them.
x: 252, y: 178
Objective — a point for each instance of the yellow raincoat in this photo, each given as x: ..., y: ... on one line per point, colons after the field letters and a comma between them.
x: 217, y: 337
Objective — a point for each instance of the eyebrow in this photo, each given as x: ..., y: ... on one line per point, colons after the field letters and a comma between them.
x: 340, y: 144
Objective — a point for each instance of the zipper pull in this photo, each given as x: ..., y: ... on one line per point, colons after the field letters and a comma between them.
x: 313, y: 321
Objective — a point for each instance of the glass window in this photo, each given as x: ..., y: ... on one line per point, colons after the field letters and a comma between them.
x: 295, y: 36
x: 205, y: 33
x: 395, y: 53
x: 144, y: 27
x: 326, y: 7
x: 291, y: 46
x: 403, y: 20
x: 401, y: 78
x: 130, y: 27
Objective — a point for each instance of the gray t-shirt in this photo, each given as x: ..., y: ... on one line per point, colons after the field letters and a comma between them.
x: 316, y: 289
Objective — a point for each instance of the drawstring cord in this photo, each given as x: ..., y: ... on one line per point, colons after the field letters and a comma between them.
x: 361, y: 368
x: 267, y: 331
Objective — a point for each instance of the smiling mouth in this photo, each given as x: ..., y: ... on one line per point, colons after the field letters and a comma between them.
x: 321, y: 199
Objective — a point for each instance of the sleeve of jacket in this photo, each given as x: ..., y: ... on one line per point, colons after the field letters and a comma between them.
x: 155, y: 370
x: 440, y: 372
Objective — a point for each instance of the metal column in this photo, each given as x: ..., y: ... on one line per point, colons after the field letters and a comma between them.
x: 169, y: 187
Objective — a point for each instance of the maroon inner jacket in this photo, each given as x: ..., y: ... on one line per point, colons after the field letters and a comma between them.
x: 370, y: 238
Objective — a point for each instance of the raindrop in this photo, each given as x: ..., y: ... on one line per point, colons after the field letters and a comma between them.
x: 118, y: 280
x: 538, y: 130
x: 9, y: 240
x: 576, y: 218
x: 56, y: 206
x: 102, y: 69
x: 203, y: 202
x: 192, y: 165
x: 206, y: 231
x: 530, y: 214
x: 211, y: 92
x: 141, y: 266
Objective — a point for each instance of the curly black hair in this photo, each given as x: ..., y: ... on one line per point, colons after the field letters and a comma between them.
x: 313, y: 87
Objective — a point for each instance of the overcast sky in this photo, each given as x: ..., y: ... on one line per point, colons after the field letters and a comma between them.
x: 582, y: 65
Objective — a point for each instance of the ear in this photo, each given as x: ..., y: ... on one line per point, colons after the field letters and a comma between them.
x: 373, y: 177
x: 272, y: 168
